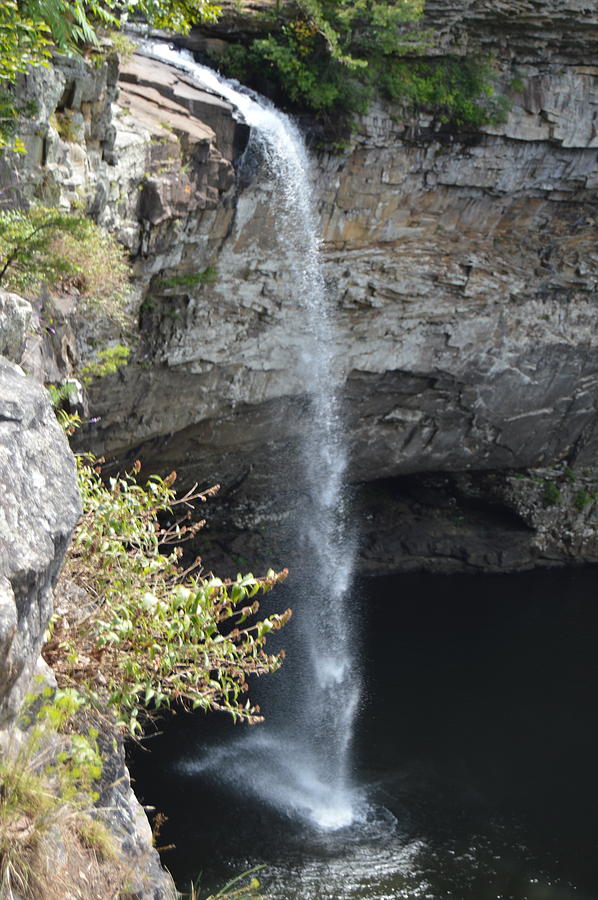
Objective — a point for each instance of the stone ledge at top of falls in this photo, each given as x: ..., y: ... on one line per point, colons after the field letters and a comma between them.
x: 194, y: 139
x: 194, y: 112
x: 109, y: 145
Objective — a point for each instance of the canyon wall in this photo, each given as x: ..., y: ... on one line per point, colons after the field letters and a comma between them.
x: 463, y: 269
x: 462, y: 266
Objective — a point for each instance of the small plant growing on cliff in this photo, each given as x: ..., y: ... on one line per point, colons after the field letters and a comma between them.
x: 582, y: 499
x: 122, y: 45
x: 63, y: 123
x: 108, y: 362
x: 42, y: 245
x: 156, y: 635
x: 47, y: 796
x: 551, y: 494
x: 61, y: 394
x: 190, y: 280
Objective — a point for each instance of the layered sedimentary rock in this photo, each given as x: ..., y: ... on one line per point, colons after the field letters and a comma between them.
x: 462, y: 266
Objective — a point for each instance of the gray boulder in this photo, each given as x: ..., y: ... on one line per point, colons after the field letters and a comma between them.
x: 39, y: 507
x: 15, y: 319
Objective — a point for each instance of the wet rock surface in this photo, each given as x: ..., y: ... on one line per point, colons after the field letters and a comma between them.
x: 459, y: 522
x: 493, y: 522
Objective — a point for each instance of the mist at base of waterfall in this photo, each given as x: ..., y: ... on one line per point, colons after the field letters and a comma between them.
x: 475, y: 757
x: 274, y: 772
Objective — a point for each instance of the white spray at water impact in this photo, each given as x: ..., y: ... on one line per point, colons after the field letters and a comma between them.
x: 300, y: 761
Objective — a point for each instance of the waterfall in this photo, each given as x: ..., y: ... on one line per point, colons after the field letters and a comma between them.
x: 299, y: 760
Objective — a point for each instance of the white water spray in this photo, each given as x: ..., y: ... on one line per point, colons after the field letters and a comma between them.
x: 299, y: 761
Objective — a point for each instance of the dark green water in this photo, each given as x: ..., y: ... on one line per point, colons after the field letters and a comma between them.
x: 476, y: 748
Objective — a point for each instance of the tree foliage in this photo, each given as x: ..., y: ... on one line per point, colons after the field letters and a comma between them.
x: 30, y: 29
x: 45, y: 245
x: 456, y: 89
x: 73, y: 24
x: 155, y: 634
x: 23, y: 41
x: 27, y: 251
x: 332, y: 57
x: 172, y: 15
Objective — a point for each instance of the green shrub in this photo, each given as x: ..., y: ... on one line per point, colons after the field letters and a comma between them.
x: 123, y: 45
x: 61, y: 394
x: 191, y: 279
x: 48, y: 782
x: 63, y: 123
x: 98, y: 267
x: 582, y: 499
x: 455, y: 89
x: 157, y: 635
x: 107, y: 362
x: 331, y: 57
x: 42, y: 245
x: 28, y: 255
x: 551, y: 494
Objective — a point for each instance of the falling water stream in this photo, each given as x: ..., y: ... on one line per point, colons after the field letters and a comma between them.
x: 477, y: 742
x: 299, y: 761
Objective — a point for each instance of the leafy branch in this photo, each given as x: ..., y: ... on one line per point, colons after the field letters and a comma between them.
x: 155, y: 634
x: 31, y: 29
x: 333, y: 56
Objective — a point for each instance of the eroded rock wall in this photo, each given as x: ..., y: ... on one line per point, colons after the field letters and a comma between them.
x: 462, y: 264
x: 466, y: 274
x: 464, y: 270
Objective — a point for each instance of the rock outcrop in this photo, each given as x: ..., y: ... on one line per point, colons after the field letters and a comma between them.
x: 39, y: 509
x: 479, y: 522
x: 462, y: 264
x: 40, y: 506
x: 15, y: 320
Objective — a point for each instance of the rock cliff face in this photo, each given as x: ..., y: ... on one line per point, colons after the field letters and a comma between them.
x: 40, y: 506
x: 463, y: 267
x: 466, y: 264
x: 39, y: 509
